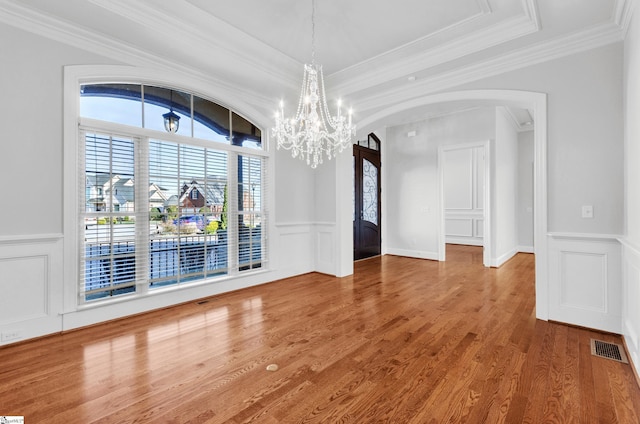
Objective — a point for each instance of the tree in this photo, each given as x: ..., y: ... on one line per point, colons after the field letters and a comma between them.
x: 171, y: 213
x: 212, y: 227
x: 155, y: 214
x: 225, y: 210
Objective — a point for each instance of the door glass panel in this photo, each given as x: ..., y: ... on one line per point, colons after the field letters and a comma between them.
x: 353, y: 188
x: 369, y: 192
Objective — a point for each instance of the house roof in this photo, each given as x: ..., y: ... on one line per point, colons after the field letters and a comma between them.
x: 213, y: 189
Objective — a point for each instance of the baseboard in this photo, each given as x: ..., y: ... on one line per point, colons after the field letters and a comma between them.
x: 413, y: 253
x: 630, y: 359
x: 468, y: 241
x: 500, y: 260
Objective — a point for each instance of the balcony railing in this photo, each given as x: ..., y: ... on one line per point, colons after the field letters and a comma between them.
x: 110, y: 268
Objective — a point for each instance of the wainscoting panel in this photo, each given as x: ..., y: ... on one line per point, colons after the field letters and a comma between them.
x: 30, y: 288
x: 296, y: 247
x: 459, y: 227
x: 631, y: 301
x: 585, y: 283
x: 464, y: 228
x: 26, y: 282
x: 326, y: 260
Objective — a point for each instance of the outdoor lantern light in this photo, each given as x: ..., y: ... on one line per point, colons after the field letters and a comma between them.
x: 171, y: 120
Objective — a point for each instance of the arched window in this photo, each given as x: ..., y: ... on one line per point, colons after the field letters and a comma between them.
x: 174, y: 190
x: 145, y: 106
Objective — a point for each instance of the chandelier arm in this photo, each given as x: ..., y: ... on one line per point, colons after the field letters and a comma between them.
x: 303, y: 89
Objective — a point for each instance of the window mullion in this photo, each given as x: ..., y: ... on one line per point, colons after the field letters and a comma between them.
x: 232, y: 212
x: 142, y: 216
x: 179, y: 213
x: 81, y: 210
x: 109, y: 211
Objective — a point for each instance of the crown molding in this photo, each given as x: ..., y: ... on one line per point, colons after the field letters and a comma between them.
x: 46, y: 26
x: 508, y: 115
x: 596, y: 36
x: 27, y: 19
x: 623, y: 11
x: 398, y: 63
x: 243, y: 50
x: 15, y: 14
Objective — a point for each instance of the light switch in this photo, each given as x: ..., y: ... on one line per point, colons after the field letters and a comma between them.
x: 587, y: 211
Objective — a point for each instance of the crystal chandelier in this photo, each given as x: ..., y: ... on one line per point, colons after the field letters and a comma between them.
x: 313, y: 132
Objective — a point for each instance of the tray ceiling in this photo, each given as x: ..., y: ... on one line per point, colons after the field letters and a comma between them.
x: 369, y: 49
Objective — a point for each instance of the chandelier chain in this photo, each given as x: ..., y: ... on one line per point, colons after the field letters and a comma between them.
x: 313, y: 32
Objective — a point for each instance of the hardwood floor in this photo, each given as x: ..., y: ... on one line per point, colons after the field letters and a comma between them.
x: 400, y: 341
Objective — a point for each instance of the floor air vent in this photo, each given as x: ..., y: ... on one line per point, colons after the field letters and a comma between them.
x: 608, y: 350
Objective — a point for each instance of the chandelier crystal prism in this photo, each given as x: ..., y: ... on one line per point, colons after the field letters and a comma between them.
x: 313, y: 132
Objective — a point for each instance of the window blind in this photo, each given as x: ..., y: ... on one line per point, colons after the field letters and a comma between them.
x: 108, y: 254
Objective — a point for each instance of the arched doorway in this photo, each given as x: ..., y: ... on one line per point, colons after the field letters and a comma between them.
x: 537, y: 102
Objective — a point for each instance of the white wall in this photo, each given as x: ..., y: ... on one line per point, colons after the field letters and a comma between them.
x: 632, y: 129
x: 504, y: 189
x: 31, y: 275
x: 32, y: 152
x: 294, y: 214
x: 411, y: 177
x: 410, y: 185
x: 585, y: 149
x: 525, y: 191
x: 631, y: 241
x: 412, y: 174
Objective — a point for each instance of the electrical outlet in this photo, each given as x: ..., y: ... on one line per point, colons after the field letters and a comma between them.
x: 10, y: 335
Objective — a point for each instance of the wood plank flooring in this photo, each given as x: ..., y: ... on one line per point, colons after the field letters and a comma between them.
x: 400, y: 341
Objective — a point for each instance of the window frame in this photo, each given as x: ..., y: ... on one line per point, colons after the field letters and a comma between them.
x: 75, y: 76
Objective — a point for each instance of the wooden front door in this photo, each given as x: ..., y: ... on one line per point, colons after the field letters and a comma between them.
x: 366, y: 219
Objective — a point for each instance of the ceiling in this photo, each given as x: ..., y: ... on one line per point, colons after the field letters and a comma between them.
x: 373, y: 52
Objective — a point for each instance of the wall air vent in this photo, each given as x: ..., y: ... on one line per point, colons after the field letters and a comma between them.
x: 608, y: 350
